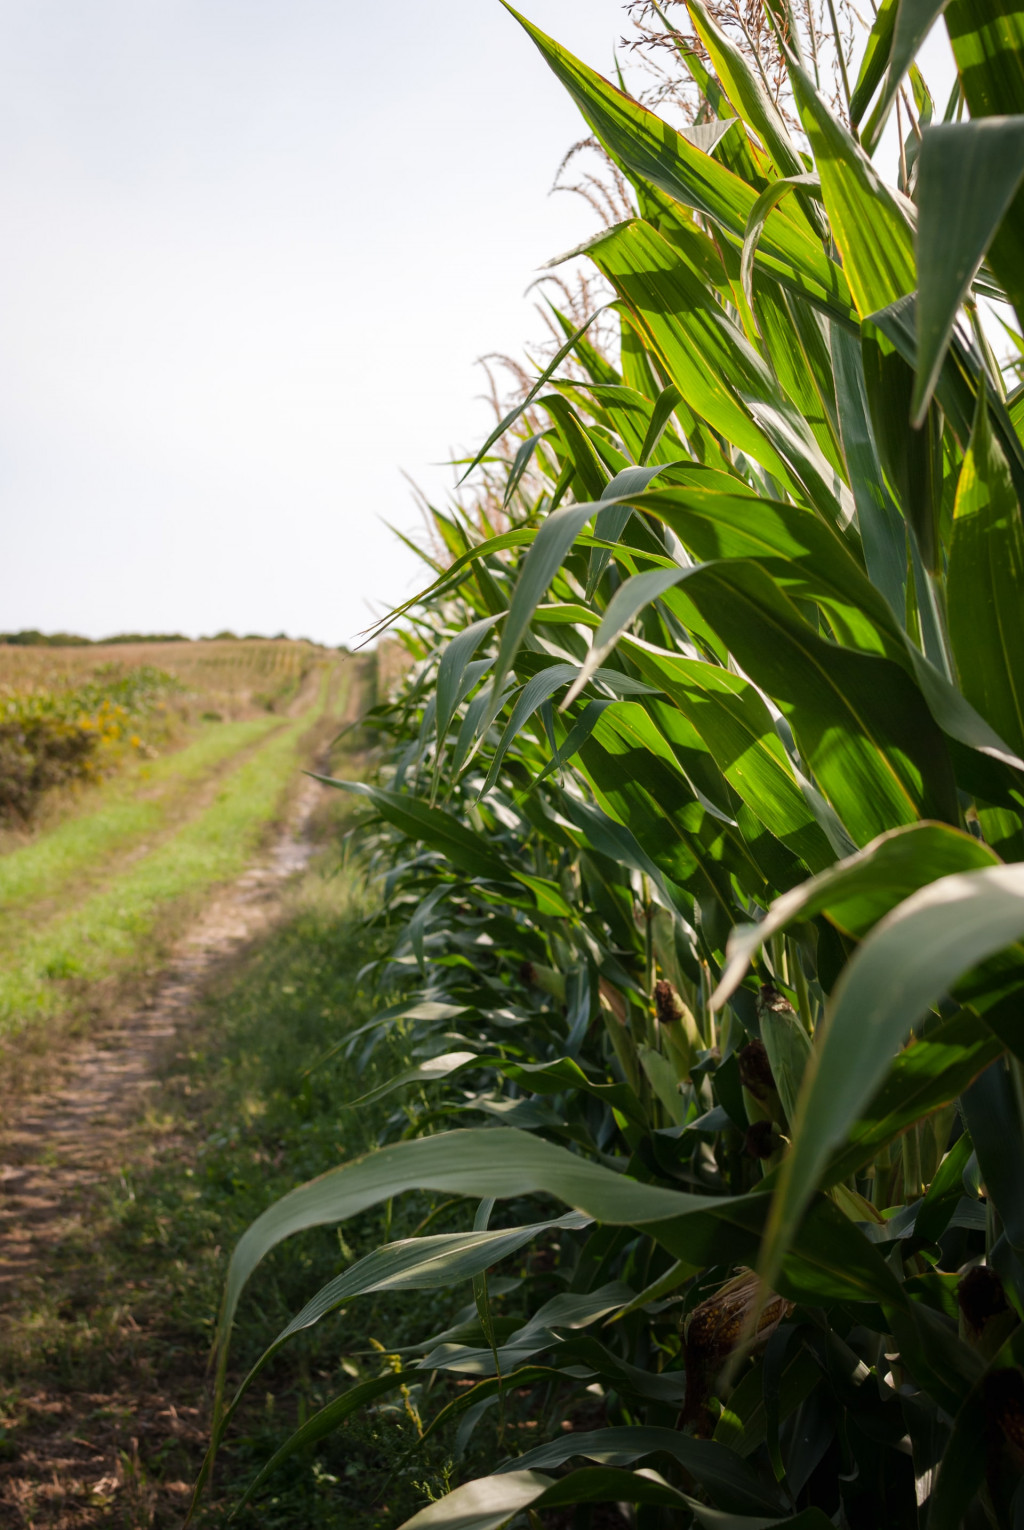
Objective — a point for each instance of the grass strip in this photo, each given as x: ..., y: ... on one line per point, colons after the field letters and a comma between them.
x: 130, y: 809
x: 111, y: 933
x: 102, y: 1360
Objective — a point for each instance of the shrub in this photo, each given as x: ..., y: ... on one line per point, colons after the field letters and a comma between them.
x: 50, y: 738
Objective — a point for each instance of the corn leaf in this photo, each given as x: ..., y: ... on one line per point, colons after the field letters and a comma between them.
x: 908, y: 962
x: 986, y: 571
x: 968, y: 175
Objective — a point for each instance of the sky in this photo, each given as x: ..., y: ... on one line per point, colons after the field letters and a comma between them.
x: 252, y: 250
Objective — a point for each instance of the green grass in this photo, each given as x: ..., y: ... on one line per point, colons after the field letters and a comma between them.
x: 110, y: 933
x: 130, y: 808
x: 127, y: 1313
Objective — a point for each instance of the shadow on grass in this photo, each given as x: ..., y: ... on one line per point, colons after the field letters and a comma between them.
x: 104, y: 1400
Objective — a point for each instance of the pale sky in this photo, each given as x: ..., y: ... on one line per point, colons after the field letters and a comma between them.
x: 251, y: 251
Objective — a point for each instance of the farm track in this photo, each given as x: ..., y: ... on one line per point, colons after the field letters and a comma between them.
x: 84, y: 1441
x: 65, y: 1141
x: 68, y: 965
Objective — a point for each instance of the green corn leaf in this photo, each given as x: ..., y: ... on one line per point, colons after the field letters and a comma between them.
x: 789, y: 1049
x: 876, y: 59
x: 503, y: 1163
x: 914, y: 20
x: 574, y: 739
x: 547, y: 894
x: 944, y: 1192
x: 859, y: 721
x: 660, y: 417
x: 737, y: 727
x: 868, y: 224
x: 746, y: 92
x: 521, y: 461
x: 631, y: 597
x: 492, y: 1501
x: 428, y: 1072
x: 795, y: 341
x: 572, y: 1311
x: 992, y: 1114
x: 486, y: 704
x: 986, y: 577
x: 539, y: 568
x: 612, y: 839
x: 589, y: 472
x: 730, y: 1481
x: 930, y: 1073
x: 968, y: 174
x: 534, y: 693
x: 452, y: 668
x: 987, y: 38
x: 882, y: 528
x: 562, y: 1074
x: 690, y: 845
x: 463, y: 847
x: 769, y: 198
x: 652, y: 151
x: 861, y: 890
x: 430, y: 1263
x: 960, y: 381
x: 719, y: 374
x: 629, y: 414
x: 908, y: 962
x: 808, y: 558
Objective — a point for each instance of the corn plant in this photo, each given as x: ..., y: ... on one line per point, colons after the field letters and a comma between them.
x: 702, y: 831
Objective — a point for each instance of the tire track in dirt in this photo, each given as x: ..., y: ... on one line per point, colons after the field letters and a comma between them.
x: 64, y: 1142
x: 85, y: 1443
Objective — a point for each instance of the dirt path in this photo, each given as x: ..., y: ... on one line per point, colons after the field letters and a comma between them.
x: 63, y: 1143
x: 109, y: 1422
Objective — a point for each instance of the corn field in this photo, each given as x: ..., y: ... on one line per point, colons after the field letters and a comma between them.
x: 701, y: 829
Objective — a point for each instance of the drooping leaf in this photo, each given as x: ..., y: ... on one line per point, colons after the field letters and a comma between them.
x: 968, y: 174
x: 987, y: 38
x: 859, y: 721
x: 718, y: 373
x: 737, y: 726
x: 732, y: 1483
x: 859, y: 891
x: 913, y: 956
x: 986, y: 577
x: 464, y: 847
